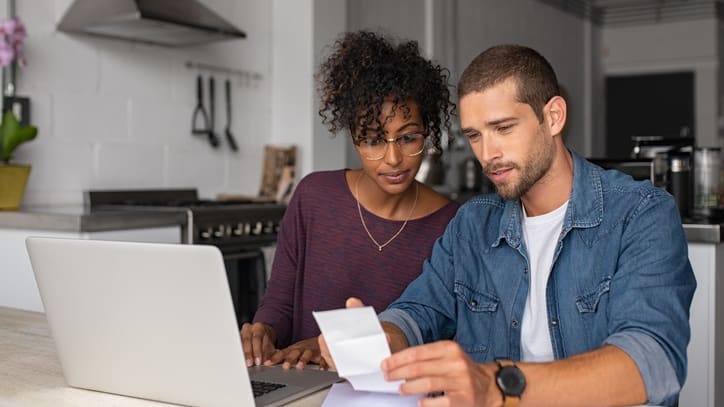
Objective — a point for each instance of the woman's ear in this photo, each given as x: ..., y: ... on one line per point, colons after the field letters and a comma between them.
x: 556, y: 113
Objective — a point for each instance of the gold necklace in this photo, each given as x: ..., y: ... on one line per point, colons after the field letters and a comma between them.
x: 361, y: 218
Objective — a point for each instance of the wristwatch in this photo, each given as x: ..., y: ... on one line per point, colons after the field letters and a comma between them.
x: 511, y: 382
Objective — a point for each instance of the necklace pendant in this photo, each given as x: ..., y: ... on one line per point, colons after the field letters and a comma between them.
x: 362, y: 219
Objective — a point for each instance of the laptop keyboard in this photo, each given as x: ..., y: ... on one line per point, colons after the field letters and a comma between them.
x: 262, y: 388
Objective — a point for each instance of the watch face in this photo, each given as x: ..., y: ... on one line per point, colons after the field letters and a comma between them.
x: 511, y: 381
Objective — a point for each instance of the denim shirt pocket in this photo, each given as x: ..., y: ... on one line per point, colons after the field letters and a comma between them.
x: 589, y: 303
x: 476, y: 320
x: 589, y: 300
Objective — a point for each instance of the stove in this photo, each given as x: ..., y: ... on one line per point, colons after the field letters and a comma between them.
x: 239, y: 228
x: 228, y: 224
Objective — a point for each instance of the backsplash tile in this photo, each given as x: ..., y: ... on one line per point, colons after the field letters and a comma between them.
x: 114, y: 114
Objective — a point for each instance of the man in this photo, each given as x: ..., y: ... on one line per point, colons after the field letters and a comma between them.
x: 570, y: 287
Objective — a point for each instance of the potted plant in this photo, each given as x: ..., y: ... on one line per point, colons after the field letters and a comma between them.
x: 12, y: 134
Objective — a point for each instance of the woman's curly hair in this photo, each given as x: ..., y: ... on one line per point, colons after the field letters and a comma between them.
x: 366, y: 69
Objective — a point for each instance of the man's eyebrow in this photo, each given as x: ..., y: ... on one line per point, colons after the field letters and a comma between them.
x: 499, y: 121
x: 490, y: 123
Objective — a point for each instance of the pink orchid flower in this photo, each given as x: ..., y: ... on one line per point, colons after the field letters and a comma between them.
x: 12, y: 39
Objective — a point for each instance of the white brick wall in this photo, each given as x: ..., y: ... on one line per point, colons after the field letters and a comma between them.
x: 114, y: 114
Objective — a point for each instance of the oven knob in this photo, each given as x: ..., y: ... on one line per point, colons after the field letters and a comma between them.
x: 219, y: 232
x: 206, y: 234
x: 257, y: 229
x: 269, y: 228
x: 238, y: 230
x: 247, y: 229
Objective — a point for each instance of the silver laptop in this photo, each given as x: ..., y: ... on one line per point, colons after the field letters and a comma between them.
x: 153, y: 321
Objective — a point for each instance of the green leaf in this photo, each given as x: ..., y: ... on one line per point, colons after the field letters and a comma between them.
x: 12, y: 134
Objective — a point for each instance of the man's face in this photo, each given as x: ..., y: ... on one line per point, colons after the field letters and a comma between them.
x: 514, y: 148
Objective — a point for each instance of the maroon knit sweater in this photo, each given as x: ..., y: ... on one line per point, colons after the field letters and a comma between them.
x: 324, y: 256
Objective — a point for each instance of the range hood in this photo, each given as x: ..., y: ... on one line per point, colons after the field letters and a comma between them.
x: 172, y: 23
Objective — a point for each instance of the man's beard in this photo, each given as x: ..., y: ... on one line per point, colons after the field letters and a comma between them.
x: 536, y: 165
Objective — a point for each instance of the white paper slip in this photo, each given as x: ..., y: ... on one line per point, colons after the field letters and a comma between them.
x: 343, y: 395
x: 358, y: 345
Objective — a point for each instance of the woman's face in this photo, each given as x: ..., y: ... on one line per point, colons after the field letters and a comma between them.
x: 395, y: 171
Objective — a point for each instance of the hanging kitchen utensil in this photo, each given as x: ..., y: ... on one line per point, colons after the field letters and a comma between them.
x: 213, y: 138
x: 227, y: 131
x: 199, y: 111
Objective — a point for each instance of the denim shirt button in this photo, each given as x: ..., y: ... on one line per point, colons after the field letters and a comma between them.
x: 473, y: 303
x: 515, y: 323
x: 525, y: 270
x: 554, y: 322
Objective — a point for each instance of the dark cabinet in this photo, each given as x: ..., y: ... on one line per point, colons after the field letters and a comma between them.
x: 650, y: 105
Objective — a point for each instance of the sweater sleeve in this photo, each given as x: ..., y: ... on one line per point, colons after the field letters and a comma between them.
x: 276, y: 308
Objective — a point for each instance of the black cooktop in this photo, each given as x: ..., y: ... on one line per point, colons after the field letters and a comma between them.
x: 184, y: 203
x: 171, y: 198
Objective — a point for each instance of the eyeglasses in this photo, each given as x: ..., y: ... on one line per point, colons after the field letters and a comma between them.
x: 374, y: 148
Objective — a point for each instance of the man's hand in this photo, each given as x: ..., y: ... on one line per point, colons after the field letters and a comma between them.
x: 299, y: 354
x: 444, y: 366
x: 258, y: 342
x: 351, y: 303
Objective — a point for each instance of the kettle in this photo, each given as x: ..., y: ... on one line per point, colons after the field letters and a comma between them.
x: 679, y: 175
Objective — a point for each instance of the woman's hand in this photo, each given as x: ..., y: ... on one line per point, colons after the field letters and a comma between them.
x: 299, y: 354
x: 257, y: 340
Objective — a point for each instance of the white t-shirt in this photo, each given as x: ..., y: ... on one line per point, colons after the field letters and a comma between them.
x: 541, y: 235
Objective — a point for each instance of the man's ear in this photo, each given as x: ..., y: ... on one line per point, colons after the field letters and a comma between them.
x: 555, y: 111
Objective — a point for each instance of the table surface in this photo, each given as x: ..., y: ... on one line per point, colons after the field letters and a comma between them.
x: 30, y: 374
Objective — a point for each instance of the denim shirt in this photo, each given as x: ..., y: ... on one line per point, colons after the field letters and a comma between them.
x: 621, y: 276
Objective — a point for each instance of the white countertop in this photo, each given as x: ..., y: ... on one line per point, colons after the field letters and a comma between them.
x: 30, y: 374
x: 79, y: 219
x: 76, y: 218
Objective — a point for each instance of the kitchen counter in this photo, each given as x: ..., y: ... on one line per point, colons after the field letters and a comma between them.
x: 80, y: 219
x: 704, y: 232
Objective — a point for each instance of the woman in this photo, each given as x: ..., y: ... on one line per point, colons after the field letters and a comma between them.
x: 362, y: 232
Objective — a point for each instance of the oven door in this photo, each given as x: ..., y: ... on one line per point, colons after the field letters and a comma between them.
x: 246, y: 272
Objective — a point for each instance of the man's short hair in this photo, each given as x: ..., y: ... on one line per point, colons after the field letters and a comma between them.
x: 535, y: 79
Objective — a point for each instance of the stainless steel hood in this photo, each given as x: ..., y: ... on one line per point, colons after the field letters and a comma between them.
x: 171, y: 23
